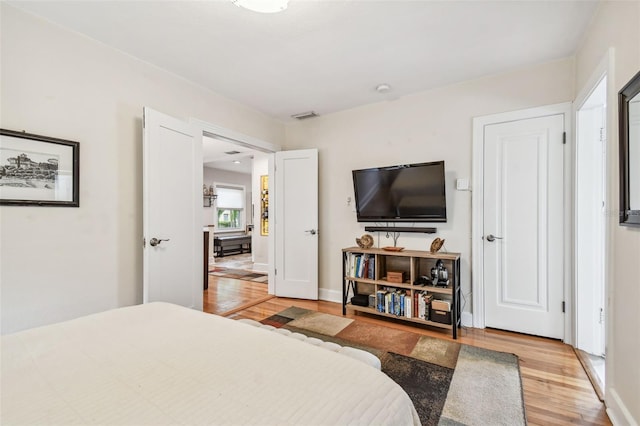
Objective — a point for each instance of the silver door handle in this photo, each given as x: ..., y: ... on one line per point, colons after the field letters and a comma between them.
x: 312, y: 231
x: 156, y: 242
x: 492, y: 237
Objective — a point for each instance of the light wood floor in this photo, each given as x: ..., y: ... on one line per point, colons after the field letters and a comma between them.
x: 556, y: 389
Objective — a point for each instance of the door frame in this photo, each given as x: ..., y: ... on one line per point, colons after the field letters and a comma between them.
x: 477, y: 207
x: 259, y: 145
x: 605, y: 68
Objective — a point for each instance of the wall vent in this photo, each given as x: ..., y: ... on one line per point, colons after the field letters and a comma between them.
x: 305, y: 115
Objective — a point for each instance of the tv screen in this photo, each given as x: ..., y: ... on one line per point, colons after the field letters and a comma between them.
x: 404, y: 193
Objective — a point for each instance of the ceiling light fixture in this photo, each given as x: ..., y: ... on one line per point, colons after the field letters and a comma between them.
x: 383, y: 88
x: 236, y: 162
x: 262, y: 6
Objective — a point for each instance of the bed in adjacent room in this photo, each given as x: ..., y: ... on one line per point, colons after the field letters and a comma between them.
x: 163, y: 364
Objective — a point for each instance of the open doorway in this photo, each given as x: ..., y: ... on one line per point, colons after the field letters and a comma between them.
x: 590, y: 232
x: 238, y: 261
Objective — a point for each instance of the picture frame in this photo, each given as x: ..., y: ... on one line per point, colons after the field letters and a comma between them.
x: 38, y: 170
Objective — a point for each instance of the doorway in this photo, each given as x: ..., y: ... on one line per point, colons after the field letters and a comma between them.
x: 519, y: 209
x: 238, y: 263
x: 590, y: 231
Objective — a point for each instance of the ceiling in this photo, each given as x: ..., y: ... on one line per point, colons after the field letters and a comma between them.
x: 218, y: 153
x: 327, y: 56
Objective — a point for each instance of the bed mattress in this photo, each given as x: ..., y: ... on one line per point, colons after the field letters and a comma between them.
x: 163, y: 364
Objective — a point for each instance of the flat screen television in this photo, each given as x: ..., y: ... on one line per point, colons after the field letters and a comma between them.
x: 404, y: 193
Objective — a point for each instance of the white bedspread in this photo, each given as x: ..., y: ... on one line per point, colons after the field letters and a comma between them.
x: 163, y: 364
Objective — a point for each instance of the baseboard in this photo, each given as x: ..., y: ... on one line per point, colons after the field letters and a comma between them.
x: 618, y: 413
x: 466, y: 318
x: 330, y: 295
x: 261, y: 267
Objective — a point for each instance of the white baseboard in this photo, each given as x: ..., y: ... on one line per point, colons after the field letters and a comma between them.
x: 618, y: 413
x: 466, y: 318
x: 261, y: 267
x: 330, y: 295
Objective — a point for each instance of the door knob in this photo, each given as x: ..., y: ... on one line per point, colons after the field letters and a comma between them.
x: 312, y: 231
x: 492, y: 238
x: 156, y: 242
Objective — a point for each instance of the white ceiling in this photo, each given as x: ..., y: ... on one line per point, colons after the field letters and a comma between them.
x: 328, y: 56
x: 217, y: 154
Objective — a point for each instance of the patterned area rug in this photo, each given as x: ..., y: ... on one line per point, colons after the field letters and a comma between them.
x: 240, y: 274
x: 448, y: 382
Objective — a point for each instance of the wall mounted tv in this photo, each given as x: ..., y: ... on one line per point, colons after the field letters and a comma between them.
x: 404, y: 193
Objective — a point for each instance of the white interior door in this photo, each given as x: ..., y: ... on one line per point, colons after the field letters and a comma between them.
x: 590, y: 226
x: 523, y: 226
x: 296, y: 224
x: 172, y: 211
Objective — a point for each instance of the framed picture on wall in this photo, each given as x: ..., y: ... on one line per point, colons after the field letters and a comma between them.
x: 38, y: 170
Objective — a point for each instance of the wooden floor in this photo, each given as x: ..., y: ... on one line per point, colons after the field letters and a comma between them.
x: 556, y: 389
x: 226, y: 296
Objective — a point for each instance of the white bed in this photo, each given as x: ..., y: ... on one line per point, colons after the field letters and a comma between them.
x: 163, y: 364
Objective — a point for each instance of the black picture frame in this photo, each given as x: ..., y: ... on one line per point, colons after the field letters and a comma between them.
x: 629, y: 139
x: 38, y: 170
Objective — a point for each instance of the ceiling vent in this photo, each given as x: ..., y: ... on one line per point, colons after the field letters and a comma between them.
x: 305, y: 115
x: 232, y: 152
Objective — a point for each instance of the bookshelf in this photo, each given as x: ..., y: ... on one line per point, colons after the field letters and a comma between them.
x: 366, y: 272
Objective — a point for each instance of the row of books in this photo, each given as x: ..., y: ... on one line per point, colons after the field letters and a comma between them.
x: 398, y: 302
x: 361, y: 266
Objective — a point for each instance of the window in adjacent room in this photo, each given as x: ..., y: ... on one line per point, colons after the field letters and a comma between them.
x: 230, y: 207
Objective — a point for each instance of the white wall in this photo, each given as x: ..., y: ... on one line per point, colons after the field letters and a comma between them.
x: 259, y: 243
x: 617, y: 25
x: 60, y: 263
x: 212, y: 176
x: 428, y: 126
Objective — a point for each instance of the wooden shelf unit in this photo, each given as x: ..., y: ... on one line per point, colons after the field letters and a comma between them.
x: 414, y: 263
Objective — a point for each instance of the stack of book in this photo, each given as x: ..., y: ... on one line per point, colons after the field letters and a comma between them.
x: 394, y: 301
x: 422, y: 303
x: 361, y: 265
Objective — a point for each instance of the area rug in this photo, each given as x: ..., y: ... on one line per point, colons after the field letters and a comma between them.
x: 239, y: 274
x: 449, y: 383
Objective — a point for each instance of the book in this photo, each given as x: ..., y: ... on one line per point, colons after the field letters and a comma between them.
x: 371, y: 274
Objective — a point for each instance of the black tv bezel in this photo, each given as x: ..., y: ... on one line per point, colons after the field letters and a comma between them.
x: 439, y: 219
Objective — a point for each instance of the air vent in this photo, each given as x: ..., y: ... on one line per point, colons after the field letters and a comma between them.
x: 232, y: 152
x: 305, y: 115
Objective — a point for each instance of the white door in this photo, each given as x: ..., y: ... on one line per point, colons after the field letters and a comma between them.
x: 296, y: 224
x: 590, y: 220
x: 523, y: 226
x: 172, y: 211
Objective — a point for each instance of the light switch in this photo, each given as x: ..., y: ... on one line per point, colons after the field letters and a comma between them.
x: 462, y: 184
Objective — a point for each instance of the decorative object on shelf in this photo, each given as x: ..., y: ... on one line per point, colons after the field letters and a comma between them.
x: 38, y: 170
x: 208, y: 197
x: 436, y: 245
x: 392, y: 248
x: 395, y: 276
x: 365, y: 242
x: 439, y: 274
x: 264, y: 205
